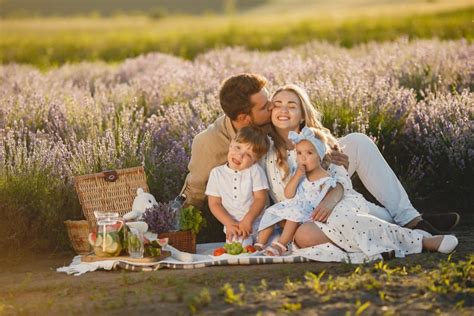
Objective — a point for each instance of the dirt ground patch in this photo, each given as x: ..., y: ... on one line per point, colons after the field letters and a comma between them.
x: 421, y: 284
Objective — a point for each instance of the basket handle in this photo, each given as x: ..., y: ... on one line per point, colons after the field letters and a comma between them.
x: 110, y: 176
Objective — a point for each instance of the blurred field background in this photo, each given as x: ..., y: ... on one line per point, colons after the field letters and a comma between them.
x: 49, y: 32
x: 87, y: 86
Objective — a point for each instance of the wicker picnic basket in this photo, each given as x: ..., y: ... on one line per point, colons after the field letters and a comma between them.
x: 110, y: 191
x: 114, y: 191
x: 78, y: 232
x: 184, y: 240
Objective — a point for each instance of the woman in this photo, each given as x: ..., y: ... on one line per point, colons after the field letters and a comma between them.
x: 292, y: 111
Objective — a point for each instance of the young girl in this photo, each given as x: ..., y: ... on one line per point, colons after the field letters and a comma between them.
x: 304, y: 191
x: 349, y: 226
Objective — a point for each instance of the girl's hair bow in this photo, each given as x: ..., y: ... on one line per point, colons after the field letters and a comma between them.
x: 307, y: 134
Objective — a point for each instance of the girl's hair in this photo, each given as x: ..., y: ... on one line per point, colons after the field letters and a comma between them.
x: 258, y: 140
x: 311, y: 117
x: 325, y: 160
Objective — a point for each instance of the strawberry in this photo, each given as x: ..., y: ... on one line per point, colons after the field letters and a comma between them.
x: 250, y: 249
x: 219, y: 251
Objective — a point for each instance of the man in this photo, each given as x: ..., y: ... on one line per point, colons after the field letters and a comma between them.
x: 244, y: 100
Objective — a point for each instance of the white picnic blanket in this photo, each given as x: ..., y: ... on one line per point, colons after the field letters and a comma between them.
x: 204, y: 258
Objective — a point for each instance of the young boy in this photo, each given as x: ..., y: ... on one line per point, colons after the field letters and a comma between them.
x: 237, y: 190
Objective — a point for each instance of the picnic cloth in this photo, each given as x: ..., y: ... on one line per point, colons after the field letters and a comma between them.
x: 204, y: 258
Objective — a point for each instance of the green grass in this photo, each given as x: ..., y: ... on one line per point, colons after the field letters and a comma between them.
x: 367, y: 287
x: 421, y: 284
x: 52, y: 42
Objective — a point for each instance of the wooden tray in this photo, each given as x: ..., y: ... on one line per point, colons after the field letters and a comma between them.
x: 94, y: 258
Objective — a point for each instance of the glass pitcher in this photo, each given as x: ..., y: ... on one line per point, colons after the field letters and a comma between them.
x: 107, y: 241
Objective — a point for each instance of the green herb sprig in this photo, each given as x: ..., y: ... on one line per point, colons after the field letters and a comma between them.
x: 191, y: 218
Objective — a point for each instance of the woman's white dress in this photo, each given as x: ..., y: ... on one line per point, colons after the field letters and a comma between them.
x: 349, y: 226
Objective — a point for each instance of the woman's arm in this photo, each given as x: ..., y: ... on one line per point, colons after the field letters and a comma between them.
x: 219, y: 212
x: 290, y: 188
x: 325, y: 207
x: 344, y: 184
x: 259, y: 200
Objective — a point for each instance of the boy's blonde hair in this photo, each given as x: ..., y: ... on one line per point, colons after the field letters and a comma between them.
x: 258, y: 140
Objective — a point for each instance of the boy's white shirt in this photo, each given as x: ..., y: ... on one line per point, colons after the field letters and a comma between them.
x: 235, y: 188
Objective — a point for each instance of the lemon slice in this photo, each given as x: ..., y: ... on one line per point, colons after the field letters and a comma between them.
x: 98, y: 241
x: 113, y: 247
x: 108, y: 240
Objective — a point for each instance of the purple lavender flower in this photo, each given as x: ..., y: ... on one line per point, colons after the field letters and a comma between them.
x: 160, y: 218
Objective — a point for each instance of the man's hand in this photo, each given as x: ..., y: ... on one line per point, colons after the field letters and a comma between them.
x: 338, y: 157
x: 232, y: 230
x: 322, y: 211
x: 245, y: 227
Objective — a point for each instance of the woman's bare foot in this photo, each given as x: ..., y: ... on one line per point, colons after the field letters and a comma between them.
x: 432, y: 243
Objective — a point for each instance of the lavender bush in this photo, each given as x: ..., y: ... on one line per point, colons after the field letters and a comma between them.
x: 439, y: 136
x: 414, y: 99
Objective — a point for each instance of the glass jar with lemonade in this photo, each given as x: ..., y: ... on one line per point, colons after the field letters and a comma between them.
x: 106, y: 241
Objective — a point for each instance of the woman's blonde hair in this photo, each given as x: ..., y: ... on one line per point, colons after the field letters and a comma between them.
x: 311, y: 118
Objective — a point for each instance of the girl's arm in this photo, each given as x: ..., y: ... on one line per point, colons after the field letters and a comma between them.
x: 219, y: 212
x: 290, y: 188
x: 259, y: 200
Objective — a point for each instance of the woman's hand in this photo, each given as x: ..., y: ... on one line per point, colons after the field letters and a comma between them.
x: 338, y: 157
x: 322, y: 211
x: 232, y: 230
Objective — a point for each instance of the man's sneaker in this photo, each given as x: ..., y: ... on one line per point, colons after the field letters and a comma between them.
x: 427, y: 227
x: 442, y: 221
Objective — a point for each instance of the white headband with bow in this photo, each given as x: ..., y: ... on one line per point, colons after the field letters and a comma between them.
x: 307, y: 134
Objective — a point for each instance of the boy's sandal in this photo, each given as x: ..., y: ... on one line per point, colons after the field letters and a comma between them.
x: 259, y: 246
x: 275, y: 249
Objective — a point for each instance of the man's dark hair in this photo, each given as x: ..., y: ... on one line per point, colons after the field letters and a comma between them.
x: 236, y: 91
